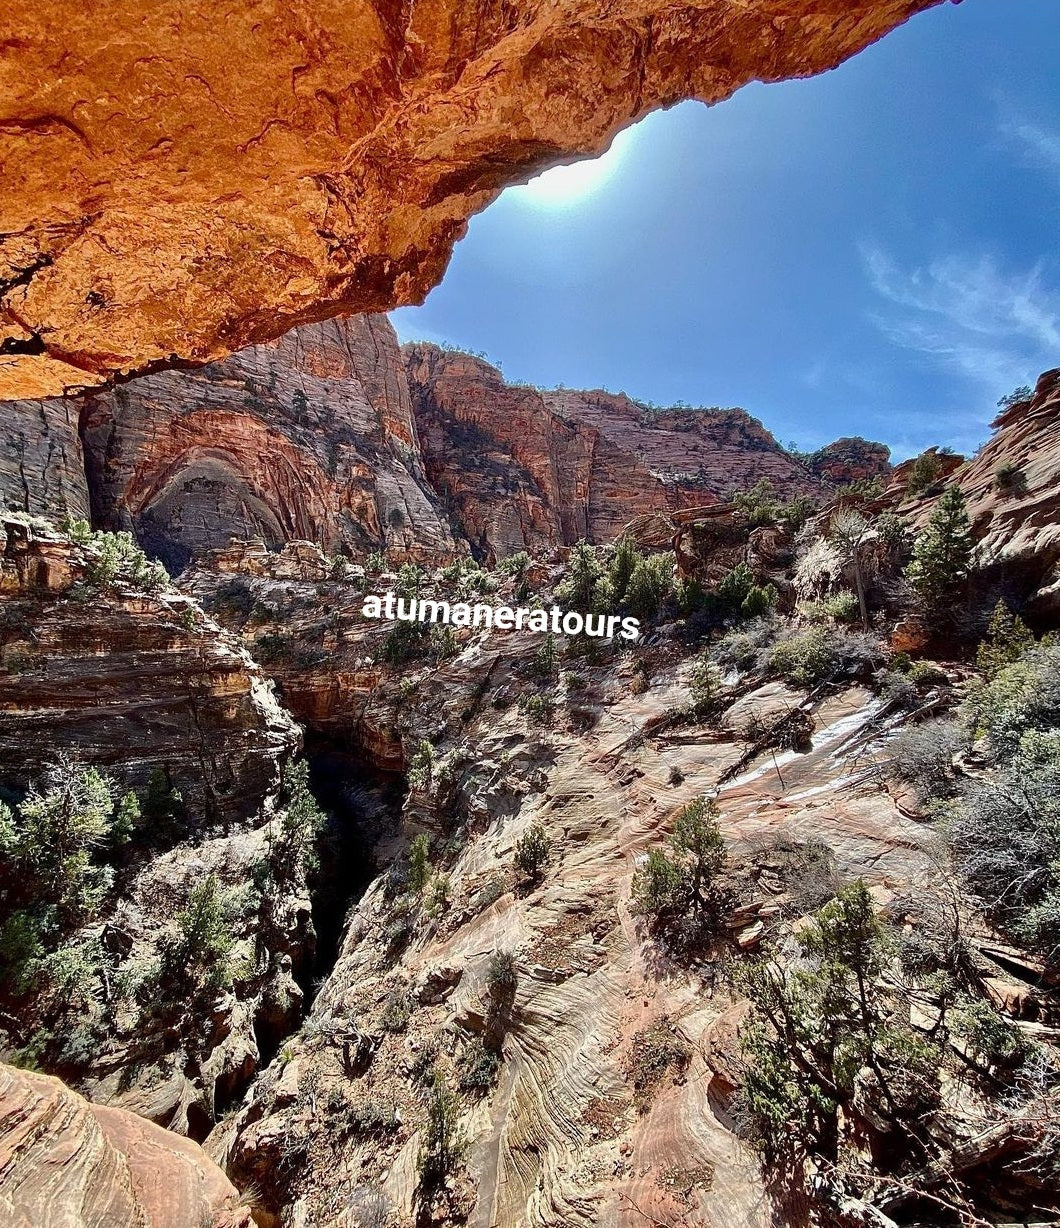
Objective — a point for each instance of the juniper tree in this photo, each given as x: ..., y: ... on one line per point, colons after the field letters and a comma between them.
x: 943, y: 554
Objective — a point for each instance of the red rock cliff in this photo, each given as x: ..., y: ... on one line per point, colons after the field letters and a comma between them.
x: 184, y: 179
x: 307, y: 438
x: 521, y: 468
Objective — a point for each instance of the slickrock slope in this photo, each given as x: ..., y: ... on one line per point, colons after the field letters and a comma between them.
x: 561, y: 1141
x: 188, y: 180
x: 528, y: 469
x: 128, y: 680
x: 65, y: 1163
x: 310, y: 437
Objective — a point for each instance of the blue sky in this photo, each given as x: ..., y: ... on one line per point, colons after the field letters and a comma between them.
x: 873, y: 251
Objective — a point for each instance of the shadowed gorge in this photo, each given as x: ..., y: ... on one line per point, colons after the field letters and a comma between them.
x: 167, y: 201
x: 431, y: 799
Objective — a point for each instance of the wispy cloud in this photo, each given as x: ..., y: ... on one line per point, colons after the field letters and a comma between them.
x: 1041, y: 145
x: 968, y: 315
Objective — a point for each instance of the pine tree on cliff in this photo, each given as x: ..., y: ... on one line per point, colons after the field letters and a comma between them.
x: 943, y: 553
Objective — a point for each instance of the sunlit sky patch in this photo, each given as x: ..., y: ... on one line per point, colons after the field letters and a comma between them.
x: 873, y: 251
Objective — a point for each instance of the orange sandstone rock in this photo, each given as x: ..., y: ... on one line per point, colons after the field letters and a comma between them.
x: 182, y: 181
x: 65, y: 1163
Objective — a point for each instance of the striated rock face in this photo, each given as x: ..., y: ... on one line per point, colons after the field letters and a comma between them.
x: 528, y: 469
x: 175, y: 192
x: 310, y: 438
x: 564, y: 1139
x: 42, y: 468
x: 65, y: 1163
x: 128, y: 680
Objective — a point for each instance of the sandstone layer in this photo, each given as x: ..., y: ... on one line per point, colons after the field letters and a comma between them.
x: 129, y: 680
x: 1011, y: 486
x: 333, y: 435
x: 65, y: 1163
x: 563, y: 1139
x: 175, y: 192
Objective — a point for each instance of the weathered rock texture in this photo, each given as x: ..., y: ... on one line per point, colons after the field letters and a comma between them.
x: 522, y: 468
x: 42, y: 468
x: 188, y: 181
x: 130, y: 681
x: 65, y: 1163
x: 562, y: 1140
x: 309, y: 438
x: 851, y: 460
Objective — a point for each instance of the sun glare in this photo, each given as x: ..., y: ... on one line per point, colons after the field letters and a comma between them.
x: 564, y: 186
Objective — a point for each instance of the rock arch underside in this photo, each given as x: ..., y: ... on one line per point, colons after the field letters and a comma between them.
x: 180, y: 183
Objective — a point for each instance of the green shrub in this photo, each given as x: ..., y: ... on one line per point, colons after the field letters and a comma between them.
x: 404, y: 642
x: 292, y: 837
x: 443, y: 1145
x: 1007, y: 638
x: 805, y: 658
x: 828, y: 1048
x: 748, y: 648
x: 926, y: 470
x: 444, y: 644
x: 1016, y: 397
x: 419, y: 861
x: 677, y: 887
x: 650, y: 584
x: 708, y: 687
x: 115, y: 557
x: 422, y: 766
x: 538, y: 707
x: 545, y: 657
x: 273, y: 647
x: 584, y: 587
x: 843, y: 607
x: 759, y: 504
x: 943, y: 554
x: 623, y: 562
x: 502, y: 974
x: 479, y: 1066
x: 197, y: 954
x: 1010, y: 479
x: 532, y: 851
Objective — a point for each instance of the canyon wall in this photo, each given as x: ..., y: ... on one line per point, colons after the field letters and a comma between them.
x: 184, y: 181
x: 133, y: 681
x: 336, y: 436
x: 524, y: 468
x: 310, y: 437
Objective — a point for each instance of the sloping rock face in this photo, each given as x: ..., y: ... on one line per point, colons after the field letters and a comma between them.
x: 173, y: 194
x: 308, y: 438
x: 1010, y: 486
x: 564, y: 1139
x: 128, y: 680
x: 528, y: 469
x: 65, y: 1163
x: 1017, y: 521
